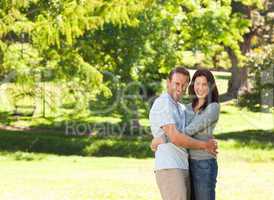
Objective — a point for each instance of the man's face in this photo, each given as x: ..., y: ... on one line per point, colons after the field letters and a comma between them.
x: 176, y: 87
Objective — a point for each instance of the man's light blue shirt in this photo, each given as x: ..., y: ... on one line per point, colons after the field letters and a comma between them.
x: 166, y: 111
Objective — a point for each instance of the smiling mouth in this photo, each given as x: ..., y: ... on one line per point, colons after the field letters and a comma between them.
x: 201, y: 95
x: 199, y: 92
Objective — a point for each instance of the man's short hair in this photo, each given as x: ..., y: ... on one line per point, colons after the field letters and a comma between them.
x: 180, y: 70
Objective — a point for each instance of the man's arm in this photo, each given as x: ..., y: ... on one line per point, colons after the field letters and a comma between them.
x: 186, y: 141
x: 203, y: 120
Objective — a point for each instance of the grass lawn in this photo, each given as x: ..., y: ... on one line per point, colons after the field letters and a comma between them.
x: 53, y: 177
x: 47, y: 164
x: 246, y: 164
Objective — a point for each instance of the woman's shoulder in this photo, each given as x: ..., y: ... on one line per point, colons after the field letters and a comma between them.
x: 214, y: 106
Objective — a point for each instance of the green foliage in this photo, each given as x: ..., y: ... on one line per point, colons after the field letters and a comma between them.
x: 261, y: 65
x: 39, y: 40
x: 98, y: 49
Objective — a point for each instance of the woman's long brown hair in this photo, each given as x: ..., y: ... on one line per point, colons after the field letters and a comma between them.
x: 213, y: 94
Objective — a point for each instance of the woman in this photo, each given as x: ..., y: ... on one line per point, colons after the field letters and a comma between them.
x: 201, y: 117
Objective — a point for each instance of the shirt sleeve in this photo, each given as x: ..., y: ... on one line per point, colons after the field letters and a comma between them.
x: 160, y: 115
x: 203, y: 120
x: 189, y: 115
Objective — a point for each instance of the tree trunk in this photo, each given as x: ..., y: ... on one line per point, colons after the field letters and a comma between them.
x: 239, y: 84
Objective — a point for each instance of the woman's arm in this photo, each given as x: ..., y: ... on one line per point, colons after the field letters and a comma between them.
x: 183, y: 140
x: 156, y: 142
x: 198, y: 123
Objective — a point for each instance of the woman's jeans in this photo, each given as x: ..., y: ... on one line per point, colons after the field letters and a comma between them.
x: 203, y: 178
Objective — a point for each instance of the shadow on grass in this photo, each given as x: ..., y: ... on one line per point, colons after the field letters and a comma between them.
x: 71, y: 137
x: 253, y: 139
x: 60, y: 124
x: 225, y: 97
x: 60, y: 144
x: 137, y: 147
x: 23, y: 156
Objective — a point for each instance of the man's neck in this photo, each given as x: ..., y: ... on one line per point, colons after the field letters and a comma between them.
x: 176, y: 101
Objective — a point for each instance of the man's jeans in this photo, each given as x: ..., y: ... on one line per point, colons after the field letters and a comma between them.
x: 203, y: 178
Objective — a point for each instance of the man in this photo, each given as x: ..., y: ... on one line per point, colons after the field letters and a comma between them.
x: 167, y: 118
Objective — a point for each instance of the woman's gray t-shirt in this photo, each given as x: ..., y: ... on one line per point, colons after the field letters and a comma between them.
x: 200, y: 125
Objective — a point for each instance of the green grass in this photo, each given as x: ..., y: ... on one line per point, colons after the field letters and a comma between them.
x: 44, y: 163
x: 234, y: 118
x: 60, y: 144
x: 51, y: 165
x: 74, y: 177
x: 43, y: 176
x: 250, y: 145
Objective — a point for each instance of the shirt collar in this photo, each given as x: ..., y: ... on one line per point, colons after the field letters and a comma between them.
x: 171, y: 99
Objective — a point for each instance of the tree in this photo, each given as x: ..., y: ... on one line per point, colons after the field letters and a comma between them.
x: 137, y: 56
x: 260, y: 64
x: 255, y: 12
x: 52, y: 29
x: 210, y: 28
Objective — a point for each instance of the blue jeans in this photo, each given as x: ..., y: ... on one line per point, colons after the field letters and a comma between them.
x: 203, y: 178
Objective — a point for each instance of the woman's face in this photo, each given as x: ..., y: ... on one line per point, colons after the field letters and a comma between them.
x: 201, y: 87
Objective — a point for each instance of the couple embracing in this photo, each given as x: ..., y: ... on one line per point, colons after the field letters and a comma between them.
x: 185, y: 151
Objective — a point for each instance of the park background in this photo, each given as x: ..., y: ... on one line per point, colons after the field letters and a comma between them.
x: 78, y: 78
